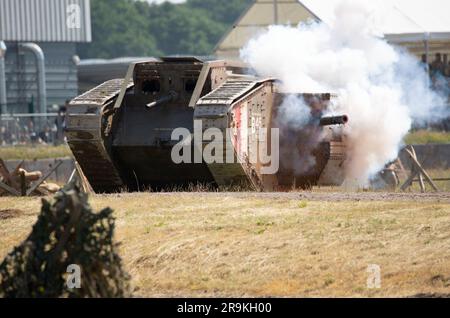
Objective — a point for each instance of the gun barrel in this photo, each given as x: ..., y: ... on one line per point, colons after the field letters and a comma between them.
x: 162, y: 100
x: 333, y: 120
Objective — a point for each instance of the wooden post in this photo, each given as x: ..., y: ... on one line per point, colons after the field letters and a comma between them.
x: 72, y: 176
x: 9, y: 189
x: 43, y: 178
x: 422, y: 171
x: 23, y: 184
x: 85, y: 185
x: 421, y: 183
x: 417, y: 169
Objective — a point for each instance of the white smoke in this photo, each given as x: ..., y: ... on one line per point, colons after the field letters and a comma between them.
x: 292, y: 117
x: 380, y: 87
x: 294, y: 112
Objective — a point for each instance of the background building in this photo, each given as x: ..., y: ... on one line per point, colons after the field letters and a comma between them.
x: 40, y: 64
x: 93, y: 72
x: 422, y: 26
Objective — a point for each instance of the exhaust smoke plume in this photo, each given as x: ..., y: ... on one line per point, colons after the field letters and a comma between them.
x: 292, y: 117
x: 381, y: 88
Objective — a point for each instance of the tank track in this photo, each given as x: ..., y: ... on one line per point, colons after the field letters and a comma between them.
x: 213, y: 110
x: 86, y: 122
x: 333, y: 172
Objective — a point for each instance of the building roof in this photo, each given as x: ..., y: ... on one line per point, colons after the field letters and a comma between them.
x: 258, y: 16
x: 45, y: 20
x: 399, y: 21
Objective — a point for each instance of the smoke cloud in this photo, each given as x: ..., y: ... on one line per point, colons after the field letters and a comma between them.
x: 382, y: 88
x: 297, y: 141
x: 293, y: 112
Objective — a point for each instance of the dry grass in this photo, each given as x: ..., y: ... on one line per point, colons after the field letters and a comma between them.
x: 28, y: 152
x: 427, y: 137
x: 443, y: 185
x: 219, y: 245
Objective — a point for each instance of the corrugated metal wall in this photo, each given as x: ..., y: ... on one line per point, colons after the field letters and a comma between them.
x: 45, y: 20
x: 21, y: 76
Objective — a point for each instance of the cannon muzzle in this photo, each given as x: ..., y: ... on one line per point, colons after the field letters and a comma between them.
x: 164, y: 99
x: 333, y: 120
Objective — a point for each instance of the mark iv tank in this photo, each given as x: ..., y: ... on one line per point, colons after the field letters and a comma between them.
x: 121, y: 131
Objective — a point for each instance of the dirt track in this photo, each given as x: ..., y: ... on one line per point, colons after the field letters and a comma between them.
x: 363, y: 196
x: 442, y: 197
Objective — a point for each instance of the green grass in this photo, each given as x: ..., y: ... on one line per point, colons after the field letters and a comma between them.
x: 427, y: 137
x: 27, y: 152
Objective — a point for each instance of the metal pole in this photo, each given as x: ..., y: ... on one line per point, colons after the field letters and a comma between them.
x: 427, y: 52
x: 40, y: 65
x: 3, y: 99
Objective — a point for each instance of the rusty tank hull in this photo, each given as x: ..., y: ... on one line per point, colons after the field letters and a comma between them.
x: 121, y: 132
x: 311, y: 155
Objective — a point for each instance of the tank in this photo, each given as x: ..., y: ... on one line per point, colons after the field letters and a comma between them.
x: 125, y: 133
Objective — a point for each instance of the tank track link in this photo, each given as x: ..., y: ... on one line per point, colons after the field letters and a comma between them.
x: 85, y: 136
x: 213, y: 110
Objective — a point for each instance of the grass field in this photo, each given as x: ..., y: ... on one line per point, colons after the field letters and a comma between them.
x: 427, y: 137
x: 222, y: 244
x: 443, y: 185
x: 27, y: 152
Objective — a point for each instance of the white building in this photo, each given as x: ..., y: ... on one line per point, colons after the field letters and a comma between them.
x: 420, y: 25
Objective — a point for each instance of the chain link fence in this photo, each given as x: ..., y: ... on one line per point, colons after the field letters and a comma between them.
x: 24, y: 129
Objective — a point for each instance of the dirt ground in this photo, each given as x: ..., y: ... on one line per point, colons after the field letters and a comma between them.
x: 443, y: 197
x: 296, y: 244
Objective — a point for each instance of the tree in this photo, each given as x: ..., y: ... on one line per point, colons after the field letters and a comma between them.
x: 136, y: 28
x: 118, y: 29
x: 219, y: 10
x: 183, y: 30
